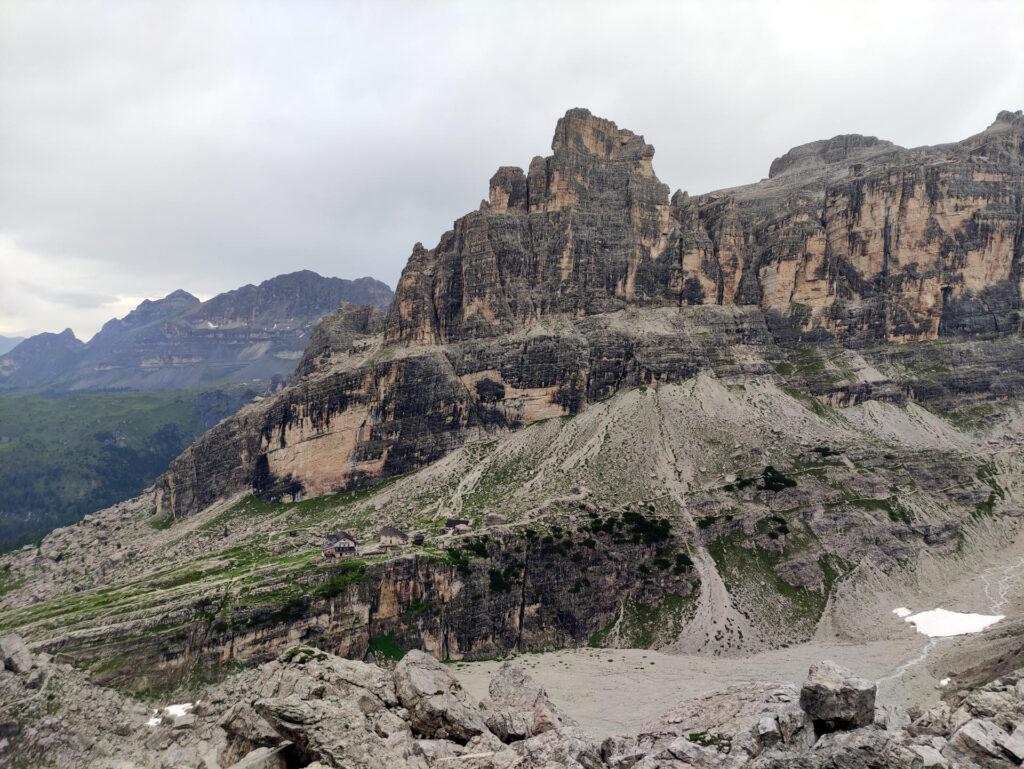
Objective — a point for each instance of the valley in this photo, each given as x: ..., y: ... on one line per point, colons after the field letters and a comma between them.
x: 85, y: 425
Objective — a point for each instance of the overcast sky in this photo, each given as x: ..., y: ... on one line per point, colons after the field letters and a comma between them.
x: 150, y: 146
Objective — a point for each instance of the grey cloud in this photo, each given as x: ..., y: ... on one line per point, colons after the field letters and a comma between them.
x: 203, y: 145
x: 71, y: 298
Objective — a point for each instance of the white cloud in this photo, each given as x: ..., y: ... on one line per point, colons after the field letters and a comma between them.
x: 54, y: 287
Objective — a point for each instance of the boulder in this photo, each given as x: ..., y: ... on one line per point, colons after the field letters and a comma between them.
x: 935, y: 720
x: 564, y: 748
x: 517, y: 708
x: 931, y: 758
x: 263, y: 758
x: 979, y: 743
x: 438, y: 706
x: 740, y: 721
x: 333, y: 731
x: 837, y: 700
x: 184, y: 721
x: 15, y: 653
x: 1014, y: 743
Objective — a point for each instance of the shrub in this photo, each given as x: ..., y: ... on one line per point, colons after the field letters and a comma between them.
x: 775, y: 481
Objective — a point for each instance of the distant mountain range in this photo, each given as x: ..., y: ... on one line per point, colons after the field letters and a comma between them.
x: 86, y: 424
x: 8, y: 343
x: 250, y: 335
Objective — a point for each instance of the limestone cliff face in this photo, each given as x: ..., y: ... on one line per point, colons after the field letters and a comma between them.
x: 581, y: 232
x: 490, y: 596
x: 860, y: 239
x: 581, y: 276
x: 380, y: 416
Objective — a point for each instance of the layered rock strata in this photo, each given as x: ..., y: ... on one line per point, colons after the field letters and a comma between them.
x: 582, y: 276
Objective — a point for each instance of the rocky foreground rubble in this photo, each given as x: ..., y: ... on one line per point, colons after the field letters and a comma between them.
x: 315, y: 710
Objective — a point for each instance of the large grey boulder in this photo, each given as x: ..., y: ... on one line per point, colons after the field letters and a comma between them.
x: 739, y: 721
x: 335, y: 732
x: 979, y: 742
x: 15, y: 653
x: 836, y: 699
x: 1013, y: 743
x: 438, y: 707
x: 517, y: 708
x: 263, y: 758
x: 564, y: 748
x: 857, y: 749
x: 308, y: 672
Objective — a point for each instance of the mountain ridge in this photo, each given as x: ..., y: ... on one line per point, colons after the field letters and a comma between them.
x: 252, y: 332
x: 517, y: 313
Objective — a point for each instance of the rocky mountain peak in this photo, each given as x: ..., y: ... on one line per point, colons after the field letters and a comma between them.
x: 180, y: 295
x: 1005, y: 117
x: 148, y: 311
x: 594, y: 208
x: 65, y: 340
x: 47, y: 353
x: 847, y: 148
x: 1002, y: 143
x: 581, y: 131
x: 255, y: 333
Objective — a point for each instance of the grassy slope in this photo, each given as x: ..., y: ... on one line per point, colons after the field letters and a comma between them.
x: 64, y: 456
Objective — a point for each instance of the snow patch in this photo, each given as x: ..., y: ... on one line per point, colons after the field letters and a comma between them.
x: 942, y: 623
x: 171, y: 710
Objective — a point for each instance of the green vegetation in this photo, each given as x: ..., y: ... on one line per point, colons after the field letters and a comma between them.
x: 771, y: 480
x: 889, y: 505
x: 458, y: 558
x: 706, y: 739
x: 807, y: 362
x: 7, y: 582
x: 683, y: 563
x: 339, y: 578
x: 62, y: 456
x: 385, y: 647
x: 643, y: 625
x: 303, y: 654
x: 749, y: 572
x: 598, y: 639
x: 633, y: 526
x: 988, y: 474
x: 810, y: 402
x: 497, y: 480
x: 503, y: 580
x: 775, y: 481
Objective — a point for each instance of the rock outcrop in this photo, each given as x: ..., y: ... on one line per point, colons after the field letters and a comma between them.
x: 836, y: 700
x: 312, y: 710
x: 853, y: 238
x: 581, y: 276
x: 517, y: 708
x: 14, y: 653
x: 438, y: 708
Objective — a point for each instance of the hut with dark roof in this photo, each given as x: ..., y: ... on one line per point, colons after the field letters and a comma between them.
x: 339, y: 544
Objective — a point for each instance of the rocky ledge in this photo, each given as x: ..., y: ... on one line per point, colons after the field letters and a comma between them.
x: 313, y: 710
